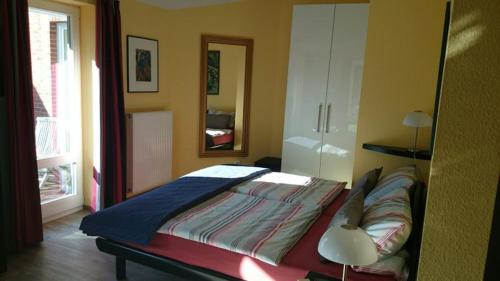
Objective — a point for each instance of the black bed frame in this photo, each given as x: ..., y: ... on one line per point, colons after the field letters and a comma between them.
x: 124, y: 252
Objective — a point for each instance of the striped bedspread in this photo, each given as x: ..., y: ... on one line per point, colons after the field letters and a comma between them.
x: 249, y: 225
x: 263, y: 217
x: 292, y: 189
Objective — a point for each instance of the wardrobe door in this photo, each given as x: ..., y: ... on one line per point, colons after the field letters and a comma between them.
x: 306, y: 90
x: 344, y: 88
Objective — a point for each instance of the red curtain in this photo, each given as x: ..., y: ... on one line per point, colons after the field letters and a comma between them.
x: 109, y: 61
x: 20, y: 212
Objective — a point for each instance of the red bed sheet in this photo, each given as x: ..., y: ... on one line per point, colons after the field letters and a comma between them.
x: 296, y: 264
x: 222, y: 139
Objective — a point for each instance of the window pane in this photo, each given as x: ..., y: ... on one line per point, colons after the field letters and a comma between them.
x: 51, y: 80
x: 57, y: 182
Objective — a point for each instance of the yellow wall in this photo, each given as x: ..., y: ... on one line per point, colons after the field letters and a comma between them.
x: 400, y: 72
x: 400, y: 76
x: 179, y: 34
x: 87, y: 58
x: 240, y: 100
x: 465, y: 165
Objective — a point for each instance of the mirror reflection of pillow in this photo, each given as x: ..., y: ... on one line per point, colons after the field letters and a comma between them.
x: 218, y: 121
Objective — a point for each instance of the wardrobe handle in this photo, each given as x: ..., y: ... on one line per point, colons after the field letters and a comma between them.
x: 327, y: 129
x: 320, y: 108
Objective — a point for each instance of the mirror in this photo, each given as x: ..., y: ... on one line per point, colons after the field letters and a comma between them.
x: 225, y: 79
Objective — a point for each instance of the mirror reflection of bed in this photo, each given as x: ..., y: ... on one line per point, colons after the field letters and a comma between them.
x: 225, y: 96
x: 219, y: 133
x: 226, y: 67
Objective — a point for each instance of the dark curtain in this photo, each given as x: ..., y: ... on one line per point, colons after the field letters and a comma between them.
x: 20, y: 212
x: 109, y: 60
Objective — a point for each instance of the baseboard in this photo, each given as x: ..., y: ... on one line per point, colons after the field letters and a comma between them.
x: 62, y: 214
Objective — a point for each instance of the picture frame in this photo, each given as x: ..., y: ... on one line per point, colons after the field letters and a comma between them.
x: 142, y: 65
x: 213, y: 72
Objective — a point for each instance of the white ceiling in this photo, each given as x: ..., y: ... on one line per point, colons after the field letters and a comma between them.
x: 182, y: 4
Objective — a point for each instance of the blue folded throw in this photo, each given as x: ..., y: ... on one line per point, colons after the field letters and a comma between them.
x: 137, y: 219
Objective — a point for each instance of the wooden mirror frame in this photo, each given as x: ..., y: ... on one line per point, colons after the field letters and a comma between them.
x: 248, y: 43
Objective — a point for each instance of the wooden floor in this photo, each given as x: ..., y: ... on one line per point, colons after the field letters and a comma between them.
x: 68, y: 255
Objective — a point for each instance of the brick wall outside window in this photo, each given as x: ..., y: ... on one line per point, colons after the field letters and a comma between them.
x: 43, y: 40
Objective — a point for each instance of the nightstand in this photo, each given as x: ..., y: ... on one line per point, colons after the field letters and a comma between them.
x: 272, y: 163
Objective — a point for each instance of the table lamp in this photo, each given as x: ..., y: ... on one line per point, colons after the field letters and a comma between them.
x: 417, y: 119
x: 348, y: 245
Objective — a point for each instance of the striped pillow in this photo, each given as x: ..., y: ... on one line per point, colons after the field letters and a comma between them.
x: 403, y: 177
x: 388, y: 221
x: 391, y: 266
x: 409, y: 171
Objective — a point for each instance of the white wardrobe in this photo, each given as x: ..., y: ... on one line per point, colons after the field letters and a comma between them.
x: 324, y: 85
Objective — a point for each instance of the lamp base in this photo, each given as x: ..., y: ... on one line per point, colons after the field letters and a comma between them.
x: 344, y: 272
x: 414, y: 148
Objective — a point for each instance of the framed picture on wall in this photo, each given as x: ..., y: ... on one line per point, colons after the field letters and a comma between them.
x: 142, y: 61
x: 213, y: 72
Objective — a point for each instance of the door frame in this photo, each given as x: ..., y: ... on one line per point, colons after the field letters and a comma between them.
x: 70, y: 203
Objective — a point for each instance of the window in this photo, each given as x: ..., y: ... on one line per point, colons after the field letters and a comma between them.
x: 56, y: 96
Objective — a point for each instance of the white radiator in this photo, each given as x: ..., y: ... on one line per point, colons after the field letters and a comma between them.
x: 149, y: 150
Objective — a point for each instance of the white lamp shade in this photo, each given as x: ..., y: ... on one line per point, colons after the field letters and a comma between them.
x: 417, y: 119
x: 348, y: 245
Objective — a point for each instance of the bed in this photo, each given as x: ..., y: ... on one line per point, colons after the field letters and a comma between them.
x: 219, y: 131
x: 201, y: 261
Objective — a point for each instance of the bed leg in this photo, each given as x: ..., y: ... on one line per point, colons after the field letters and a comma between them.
x: 121, y: 268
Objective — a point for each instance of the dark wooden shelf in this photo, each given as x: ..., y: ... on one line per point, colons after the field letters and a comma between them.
x: 398, y: 151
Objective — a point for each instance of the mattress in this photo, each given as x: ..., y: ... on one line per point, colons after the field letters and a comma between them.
x: 220, y: 136
x: 296, y: 264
